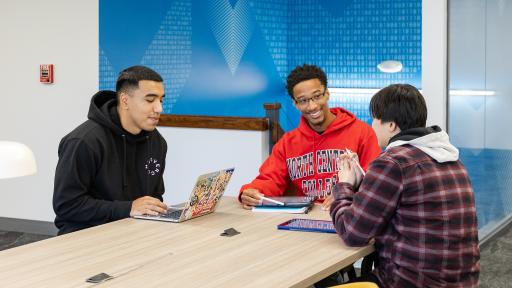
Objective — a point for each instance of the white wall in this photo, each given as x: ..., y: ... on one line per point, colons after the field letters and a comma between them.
x: 194, y: 151
x: 434, y: 57
x: 61, y: 32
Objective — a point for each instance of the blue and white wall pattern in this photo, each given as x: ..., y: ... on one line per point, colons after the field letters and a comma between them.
x: 228, y: 57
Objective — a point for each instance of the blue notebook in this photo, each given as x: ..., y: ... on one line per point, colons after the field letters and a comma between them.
x: 308, y: 225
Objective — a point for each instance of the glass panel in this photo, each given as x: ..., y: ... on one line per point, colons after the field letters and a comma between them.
x: 480, y: 100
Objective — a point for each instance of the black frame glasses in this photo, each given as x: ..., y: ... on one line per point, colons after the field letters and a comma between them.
x: 315, y: 99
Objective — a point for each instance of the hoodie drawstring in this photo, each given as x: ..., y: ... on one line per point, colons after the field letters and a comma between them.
x: 148, y: 151
x: 124, y: 163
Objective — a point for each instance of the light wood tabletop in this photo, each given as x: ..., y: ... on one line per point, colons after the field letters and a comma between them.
x: 144, y: 253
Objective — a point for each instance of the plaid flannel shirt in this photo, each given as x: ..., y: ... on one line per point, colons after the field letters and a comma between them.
x: 422, y: 216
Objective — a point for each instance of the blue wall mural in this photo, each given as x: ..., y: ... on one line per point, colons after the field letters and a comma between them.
x: 228, y: 57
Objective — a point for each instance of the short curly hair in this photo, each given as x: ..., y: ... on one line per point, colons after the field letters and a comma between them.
x: 304, y: 73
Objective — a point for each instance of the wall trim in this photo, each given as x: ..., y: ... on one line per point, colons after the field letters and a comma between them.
x: 28, y: 226
x: 214, y: 122
x: 497, y: 231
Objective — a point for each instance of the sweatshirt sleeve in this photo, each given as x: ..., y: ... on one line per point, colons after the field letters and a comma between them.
x: 273, y: 176
x: 368, y: 148
x: 74, y: 179
x: 360, y: 216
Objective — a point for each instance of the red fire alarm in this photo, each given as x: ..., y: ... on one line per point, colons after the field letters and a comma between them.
x: 46, y: 73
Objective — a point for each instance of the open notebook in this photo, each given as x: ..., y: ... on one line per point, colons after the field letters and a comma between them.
x: 204, y: 198
x: 287, y: 204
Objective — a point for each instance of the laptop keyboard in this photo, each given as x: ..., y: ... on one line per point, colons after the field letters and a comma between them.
x: 172, y: 214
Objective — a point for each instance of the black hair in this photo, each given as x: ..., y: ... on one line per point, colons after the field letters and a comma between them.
x: 129, y: 78
x: 400, y: 103
x: 304, y: 73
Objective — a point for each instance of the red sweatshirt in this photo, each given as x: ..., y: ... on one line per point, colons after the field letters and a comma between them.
x: 308, y: 159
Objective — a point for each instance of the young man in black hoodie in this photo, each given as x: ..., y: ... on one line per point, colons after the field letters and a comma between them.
x: 111, y: 166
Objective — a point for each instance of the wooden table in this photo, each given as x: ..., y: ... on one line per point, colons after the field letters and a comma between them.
x: 143, y: 253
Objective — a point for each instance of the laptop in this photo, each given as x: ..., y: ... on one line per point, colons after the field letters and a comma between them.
x: 205, y: 196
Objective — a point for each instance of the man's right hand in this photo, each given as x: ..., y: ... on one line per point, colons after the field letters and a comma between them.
x: 147, y: 205
x: 250, y: 198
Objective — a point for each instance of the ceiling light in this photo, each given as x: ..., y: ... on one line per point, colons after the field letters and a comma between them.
x: 390, y: 66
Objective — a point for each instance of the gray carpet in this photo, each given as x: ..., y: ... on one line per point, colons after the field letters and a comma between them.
x: 495, y: 262
x: 9, y: 239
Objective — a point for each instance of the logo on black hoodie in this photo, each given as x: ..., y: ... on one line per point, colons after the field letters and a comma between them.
x: 152, y: 166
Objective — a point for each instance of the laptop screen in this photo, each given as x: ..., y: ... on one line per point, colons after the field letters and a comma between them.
x: 208, y: 190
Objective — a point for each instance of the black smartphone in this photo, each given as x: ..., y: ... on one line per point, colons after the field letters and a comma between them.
x: 309, y: 225
x: 98, y: 278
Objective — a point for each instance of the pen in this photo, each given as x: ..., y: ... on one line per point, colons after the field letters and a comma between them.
x: 357, y: 162
x: 272, y: 200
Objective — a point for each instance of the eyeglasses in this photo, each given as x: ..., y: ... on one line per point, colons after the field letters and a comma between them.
x: 304, y: 102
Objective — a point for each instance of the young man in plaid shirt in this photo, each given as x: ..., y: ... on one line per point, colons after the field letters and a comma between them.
x: 415, y: 201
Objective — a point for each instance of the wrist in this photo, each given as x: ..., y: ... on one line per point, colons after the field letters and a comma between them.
x: 341, y: 189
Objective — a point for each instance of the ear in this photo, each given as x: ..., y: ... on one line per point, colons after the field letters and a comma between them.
x: 123, y: 100
x: 393, y: 128
x: 327, y: 94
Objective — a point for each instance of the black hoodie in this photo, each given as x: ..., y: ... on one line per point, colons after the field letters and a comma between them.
x: 102, y: 168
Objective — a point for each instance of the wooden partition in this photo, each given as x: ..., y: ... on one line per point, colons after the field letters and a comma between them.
x: 270, y: 122
x: 214, y: 122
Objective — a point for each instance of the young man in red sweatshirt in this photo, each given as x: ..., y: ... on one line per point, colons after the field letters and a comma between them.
x: 306, y: 156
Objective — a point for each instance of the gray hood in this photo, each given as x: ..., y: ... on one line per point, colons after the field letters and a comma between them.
x: 436, y: 144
